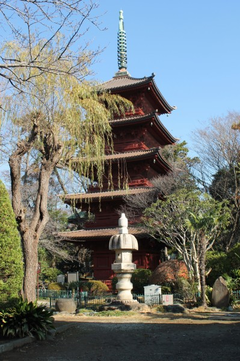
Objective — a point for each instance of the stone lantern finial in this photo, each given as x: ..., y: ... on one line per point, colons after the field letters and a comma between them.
x: 123, y: 224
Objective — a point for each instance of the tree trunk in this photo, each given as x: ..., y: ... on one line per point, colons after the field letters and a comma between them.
x: 30, y: 238
x: 195, y: 264
x: 31, y: 229
x: 202, y: 265
x: 30, y: 251
x: 197, y: 277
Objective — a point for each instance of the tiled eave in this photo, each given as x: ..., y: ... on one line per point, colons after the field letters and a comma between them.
x: 125, y: 81
x: 120, y: 84
x: 154, y: 153
x: 98, y: 233
x: 96, y: 196
x: 128, y: 156
x: 138, y: 119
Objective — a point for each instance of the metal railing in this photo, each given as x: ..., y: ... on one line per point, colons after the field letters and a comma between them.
x: 55, y: 294
x: 83, y: 299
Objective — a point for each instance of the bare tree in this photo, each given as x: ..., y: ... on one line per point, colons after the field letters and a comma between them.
x: 218, y: 147
x: 33, y: 26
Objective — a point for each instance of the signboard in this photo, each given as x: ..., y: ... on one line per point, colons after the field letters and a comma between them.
x: 167, y: 300
x: 152, y: 294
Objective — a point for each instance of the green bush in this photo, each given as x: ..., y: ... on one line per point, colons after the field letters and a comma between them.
x: 11, y: 260
x: 166, y: 289
x: 26, y: 319
x: 98, y: 287
x: 233, y: 257
x: 186, y: 288
x: 49, y: 274
x: 93, y: 287
x: 74, y: 285
x: 114, y: 283
x: 218, y: 264
x: 54, y: 286
x: 140, y: 278
x: 233, y: 283
x: 224, y: 264
x: 209, y: 295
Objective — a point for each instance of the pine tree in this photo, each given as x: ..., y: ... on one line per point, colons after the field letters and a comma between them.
x: 11, y: 263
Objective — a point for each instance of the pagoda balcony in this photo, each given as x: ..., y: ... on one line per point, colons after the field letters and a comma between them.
x: 135, y: 112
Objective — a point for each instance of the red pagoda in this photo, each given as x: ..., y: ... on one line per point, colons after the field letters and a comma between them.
x: 138, y: 139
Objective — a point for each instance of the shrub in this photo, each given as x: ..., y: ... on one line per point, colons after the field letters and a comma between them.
x: 186, y: 288
x: 140, y: 278
x: 224, y: 264
x: 217, y: 263
x: 114, y: 283
x: 166, y: 289
x: 233, y: 257
x: 74, y: 285
x: 168, y: 272
x: 233, y: 283
x: 208, y: 295
x: 55, y: 286
x: 49, y: 274
x: 26, y: 319
x: 11, y: 260
x: 93, y: 287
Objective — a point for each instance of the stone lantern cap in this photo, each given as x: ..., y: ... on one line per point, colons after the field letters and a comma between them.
x: 123, y: 240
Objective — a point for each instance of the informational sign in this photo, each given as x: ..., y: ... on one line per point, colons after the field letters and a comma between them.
x: 167, y: 300
x: 152, y: 294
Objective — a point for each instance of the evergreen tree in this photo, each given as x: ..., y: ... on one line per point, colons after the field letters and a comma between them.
x: 189, y: 222
x: 11, y: 264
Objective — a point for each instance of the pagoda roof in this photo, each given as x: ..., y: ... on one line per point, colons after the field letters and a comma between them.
x: 97, y: 233
x: 140, y: 155
x: 96, y: 196
x: 135, y: 155
x: 136, y: 119
x: 131, y: 155
x: 122, y: 83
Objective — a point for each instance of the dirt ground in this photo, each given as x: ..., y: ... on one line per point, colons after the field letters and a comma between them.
x: 154, y: 337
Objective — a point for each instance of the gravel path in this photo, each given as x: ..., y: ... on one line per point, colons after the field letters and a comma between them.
x: 173, y: 338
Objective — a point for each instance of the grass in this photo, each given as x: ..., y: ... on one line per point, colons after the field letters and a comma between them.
x: 109, y: 313
x: 115, y: 313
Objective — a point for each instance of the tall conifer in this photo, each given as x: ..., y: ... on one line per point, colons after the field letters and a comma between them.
x: 11, y: 261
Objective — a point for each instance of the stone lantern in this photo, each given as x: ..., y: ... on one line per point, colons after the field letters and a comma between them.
x: 123, y: 244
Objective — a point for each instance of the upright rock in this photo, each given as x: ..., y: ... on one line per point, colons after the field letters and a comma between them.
x: 220, y: 293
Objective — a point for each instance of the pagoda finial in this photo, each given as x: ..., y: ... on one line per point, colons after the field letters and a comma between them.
x: 122, y: 44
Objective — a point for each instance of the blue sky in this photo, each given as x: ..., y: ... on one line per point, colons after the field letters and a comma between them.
x: 192, y: 47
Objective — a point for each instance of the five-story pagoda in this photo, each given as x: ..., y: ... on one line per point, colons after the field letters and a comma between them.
x: 138, y: 138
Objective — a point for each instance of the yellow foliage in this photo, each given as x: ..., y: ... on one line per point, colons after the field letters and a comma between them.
x: 70, y: 113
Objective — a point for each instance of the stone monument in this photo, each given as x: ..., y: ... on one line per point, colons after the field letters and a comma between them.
x: 220, y: 293
x: 123, y: 244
